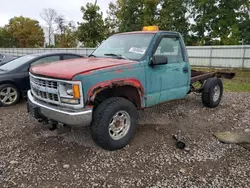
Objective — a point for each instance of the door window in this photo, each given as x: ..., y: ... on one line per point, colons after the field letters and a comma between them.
x: 46, y: 60
x: 171, y: 48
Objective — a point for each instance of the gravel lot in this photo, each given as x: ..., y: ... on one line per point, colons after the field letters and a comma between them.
x: 33, y: 156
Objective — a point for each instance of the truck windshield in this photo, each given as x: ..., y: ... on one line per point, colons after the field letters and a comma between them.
x: 130, y: 46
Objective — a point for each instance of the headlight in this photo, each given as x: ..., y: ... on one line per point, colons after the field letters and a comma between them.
x: 69, y: 93
x: 70, y: 101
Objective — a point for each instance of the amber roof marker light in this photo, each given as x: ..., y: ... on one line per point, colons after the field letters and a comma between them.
x: 150, y: 28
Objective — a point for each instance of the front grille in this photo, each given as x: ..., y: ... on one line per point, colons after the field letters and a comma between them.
x: 44, y: 89
x: 43, y: 82
x: 47, y: 90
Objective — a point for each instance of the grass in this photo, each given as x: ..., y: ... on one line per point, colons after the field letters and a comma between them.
x: 240, y: 83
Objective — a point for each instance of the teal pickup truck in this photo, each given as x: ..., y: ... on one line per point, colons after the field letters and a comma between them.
x: 127, y: 72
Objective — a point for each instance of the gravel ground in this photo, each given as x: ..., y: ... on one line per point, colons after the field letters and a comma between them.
x: 33, y: 156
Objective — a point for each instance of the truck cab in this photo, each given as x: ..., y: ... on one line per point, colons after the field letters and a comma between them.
x: 127, y: 72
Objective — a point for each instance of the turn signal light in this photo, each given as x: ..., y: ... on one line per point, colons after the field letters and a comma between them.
x: 76, y: 91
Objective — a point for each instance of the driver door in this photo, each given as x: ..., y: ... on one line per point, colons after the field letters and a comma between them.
x: 169, y: 81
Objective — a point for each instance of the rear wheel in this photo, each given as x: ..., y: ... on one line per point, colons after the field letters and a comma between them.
x: 114, y: 123
x: 212, y: 92
x: 9, y: 95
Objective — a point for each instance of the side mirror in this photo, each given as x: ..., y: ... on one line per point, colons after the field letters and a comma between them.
x: 159, y: 60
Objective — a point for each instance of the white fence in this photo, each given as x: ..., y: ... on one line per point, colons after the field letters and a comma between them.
x: 24, y: 51
x: 220, y: 56
x: 207, y: 56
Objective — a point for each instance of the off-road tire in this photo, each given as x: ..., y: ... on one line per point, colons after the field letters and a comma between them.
x: 102, y: 117
x: 208, y: 92
x: 17, y: 91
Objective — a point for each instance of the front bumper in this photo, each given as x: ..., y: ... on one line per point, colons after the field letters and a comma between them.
x: 74, y: 119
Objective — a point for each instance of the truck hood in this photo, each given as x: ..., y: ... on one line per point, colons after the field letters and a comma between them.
x: 67, y: 69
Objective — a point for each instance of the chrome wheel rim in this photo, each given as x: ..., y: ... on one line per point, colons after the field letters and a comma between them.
x: 216, y: 92
x: 8, y: 95
x: 119, y: 125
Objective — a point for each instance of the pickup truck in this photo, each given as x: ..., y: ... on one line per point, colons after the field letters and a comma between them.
x: 126, y: 73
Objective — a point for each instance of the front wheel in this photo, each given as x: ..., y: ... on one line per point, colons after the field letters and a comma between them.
x: 212, y: 92
x: 114, y: 123
x: 9, y: 95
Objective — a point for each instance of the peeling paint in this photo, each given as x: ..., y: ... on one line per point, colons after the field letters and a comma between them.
x: 94, y: 90
x: 119, y: 71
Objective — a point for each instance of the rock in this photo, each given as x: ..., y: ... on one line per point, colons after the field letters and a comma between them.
x: 66, y: 166
x: 187, y: 149
x: 247, y: 130
x: 182, y: 170
x: 13, y: 162
x: 177, y: 157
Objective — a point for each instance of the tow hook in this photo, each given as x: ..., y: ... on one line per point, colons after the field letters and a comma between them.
x: 43, y: 121
x: 61, y: 128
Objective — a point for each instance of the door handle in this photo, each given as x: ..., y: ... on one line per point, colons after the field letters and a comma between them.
x: 185, y: 70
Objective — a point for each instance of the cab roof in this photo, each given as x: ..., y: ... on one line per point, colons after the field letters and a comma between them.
x: 147, y: 32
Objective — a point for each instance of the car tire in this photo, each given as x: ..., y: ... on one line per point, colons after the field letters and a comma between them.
x: 212, y: 92
x: 109, y: 117
x: 9, y: 95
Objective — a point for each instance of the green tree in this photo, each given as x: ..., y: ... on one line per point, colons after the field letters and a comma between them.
x: 6, y: 40
x: 27, y: 32
x: 92, y: 30
x: 220, y: 21
x: 174, y: 16
x: 67, y: 38
x: 226, y: 24
x: 130, y: 15
x: 245, y: 30
x: 203, y: 13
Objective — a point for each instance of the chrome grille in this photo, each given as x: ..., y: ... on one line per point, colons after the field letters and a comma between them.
x: 44, y: 89
x: 47, y: 90
x: 44, y: 83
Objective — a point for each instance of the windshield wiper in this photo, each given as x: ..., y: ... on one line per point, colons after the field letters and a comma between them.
x: 116, y: 55
x: 2, y: 70
x: 91, y: 55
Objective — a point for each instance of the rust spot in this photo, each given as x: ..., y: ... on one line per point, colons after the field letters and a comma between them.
x: 119, y: 71
x: 88, y: 73
x: 129, y: 66
x: 94, y: 90
x: 89, y: 106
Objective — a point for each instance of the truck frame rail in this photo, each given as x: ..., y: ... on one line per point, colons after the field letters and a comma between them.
x: 198, y: 78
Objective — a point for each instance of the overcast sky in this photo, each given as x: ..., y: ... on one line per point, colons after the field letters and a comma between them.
x: 32, y: 8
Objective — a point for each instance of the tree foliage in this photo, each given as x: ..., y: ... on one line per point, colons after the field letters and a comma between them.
x: 6, y: 40
x: 201, y: 22
x: 130, y: 15
x: 220, y: 21
x: 26, y: 33
x: 174, y: 16
x: 67, y: 38
x: 92, y: 30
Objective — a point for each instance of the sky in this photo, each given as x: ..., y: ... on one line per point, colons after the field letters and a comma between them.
x: 32, y: 8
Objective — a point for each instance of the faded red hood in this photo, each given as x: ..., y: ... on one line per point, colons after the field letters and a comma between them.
x: 67, y: 69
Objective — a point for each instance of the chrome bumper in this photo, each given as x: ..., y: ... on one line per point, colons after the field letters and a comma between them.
x: 75, y: 119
